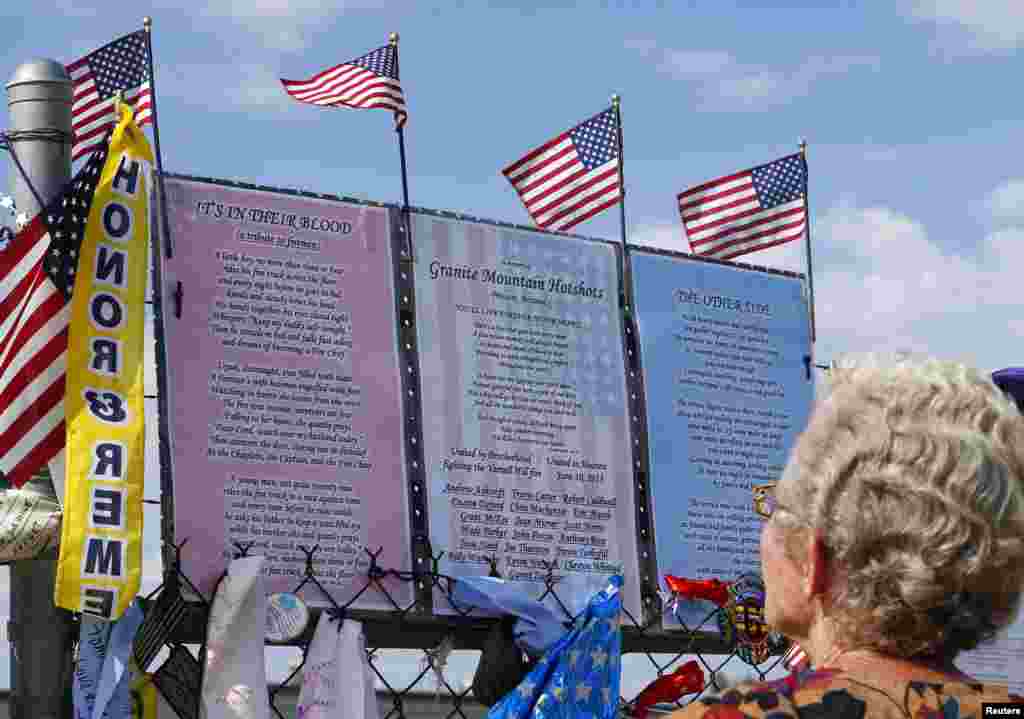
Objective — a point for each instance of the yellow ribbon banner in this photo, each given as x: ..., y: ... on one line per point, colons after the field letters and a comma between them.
x: 143, y: 693
x: 100, y: 563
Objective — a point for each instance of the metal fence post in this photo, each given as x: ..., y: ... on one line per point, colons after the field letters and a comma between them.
x: 39, y: 97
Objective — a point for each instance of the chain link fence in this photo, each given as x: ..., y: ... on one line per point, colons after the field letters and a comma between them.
x: 175, y: 628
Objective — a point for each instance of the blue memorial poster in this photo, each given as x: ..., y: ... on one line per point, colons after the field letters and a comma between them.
x: 728, y: 390
x: 526, y: 426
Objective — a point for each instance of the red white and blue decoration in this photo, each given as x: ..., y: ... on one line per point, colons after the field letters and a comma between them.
x: 580, y: 676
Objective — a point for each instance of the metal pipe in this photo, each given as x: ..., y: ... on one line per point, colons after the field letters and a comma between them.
x: 39, y: 98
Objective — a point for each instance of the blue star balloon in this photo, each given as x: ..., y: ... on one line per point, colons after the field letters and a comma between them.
x: 579, y: 677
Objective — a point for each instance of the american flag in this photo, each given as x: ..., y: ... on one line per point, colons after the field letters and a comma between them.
x: 368, y: 82
x: 37, y: 274
x: 796, y: 659
x: 572, y: 177
x: 121, y: 65
x: 750, y: 210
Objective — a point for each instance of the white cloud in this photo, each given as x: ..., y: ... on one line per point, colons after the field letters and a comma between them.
x: 979, y: 25
x: 289, y: 25
x: 280, y: 24
x: 670, y: 237
x: 723, y: 82
x: 688, y: 63
x: 225, y: 86
x: 260, y: 87
x: 663, y: 236
x: 883, y: 284
x: 1005, y: 204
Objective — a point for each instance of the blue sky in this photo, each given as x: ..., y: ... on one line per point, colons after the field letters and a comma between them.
x: 908, y: 107
x: 911, y: 110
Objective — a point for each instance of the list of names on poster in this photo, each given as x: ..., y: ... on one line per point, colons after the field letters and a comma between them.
x: 287, y: 391
x: 529, y: 458
x: 727, y: 391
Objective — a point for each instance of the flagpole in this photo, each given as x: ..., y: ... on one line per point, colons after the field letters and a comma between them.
x: 159, y: 331
x: 807, y: 235
x: 147, y: 23
x: 617, y: 106
x: 400, y: 129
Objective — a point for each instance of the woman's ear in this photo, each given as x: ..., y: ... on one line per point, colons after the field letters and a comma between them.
x: 817, y: 577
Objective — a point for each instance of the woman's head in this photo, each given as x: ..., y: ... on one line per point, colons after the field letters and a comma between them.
x: 911, y: 474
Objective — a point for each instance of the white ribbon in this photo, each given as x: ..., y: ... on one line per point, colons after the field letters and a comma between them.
x: 337, y: 679
x: 235, y: 676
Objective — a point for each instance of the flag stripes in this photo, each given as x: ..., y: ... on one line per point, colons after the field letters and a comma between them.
x: 747, y: 211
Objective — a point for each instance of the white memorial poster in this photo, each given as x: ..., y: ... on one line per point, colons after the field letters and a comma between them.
x: 527, y: 443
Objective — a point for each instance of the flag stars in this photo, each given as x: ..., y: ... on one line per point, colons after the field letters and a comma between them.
x: 780, y: 182
x: 595, y: 140
x: 122, y: 64
x: 381, y: 62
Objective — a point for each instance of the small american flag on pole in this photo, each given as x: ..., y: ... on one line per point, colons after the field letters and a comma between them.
x: 368, y: 82
x: 120, y: 66
x: 750, y: 210
x: 573, y: 177
x: 37, y: 275
x: 796, y: 659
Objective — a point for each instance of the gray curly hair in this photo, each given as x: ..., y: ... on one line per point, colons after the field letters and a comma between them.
x: 913, y: 471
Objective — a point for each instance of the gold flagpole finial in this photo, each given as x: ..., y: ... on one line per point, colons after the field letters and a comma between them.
x: 803, y: 146
x: 147, y: 23
x: 393, y: 38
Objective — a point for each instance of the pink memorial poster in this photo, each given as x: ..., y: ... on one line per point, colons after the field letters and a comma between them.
x: 285, y: 418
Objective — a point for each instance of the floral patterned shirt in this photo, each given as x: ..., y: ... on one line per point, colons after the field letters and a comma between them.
x: 833, y: 694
